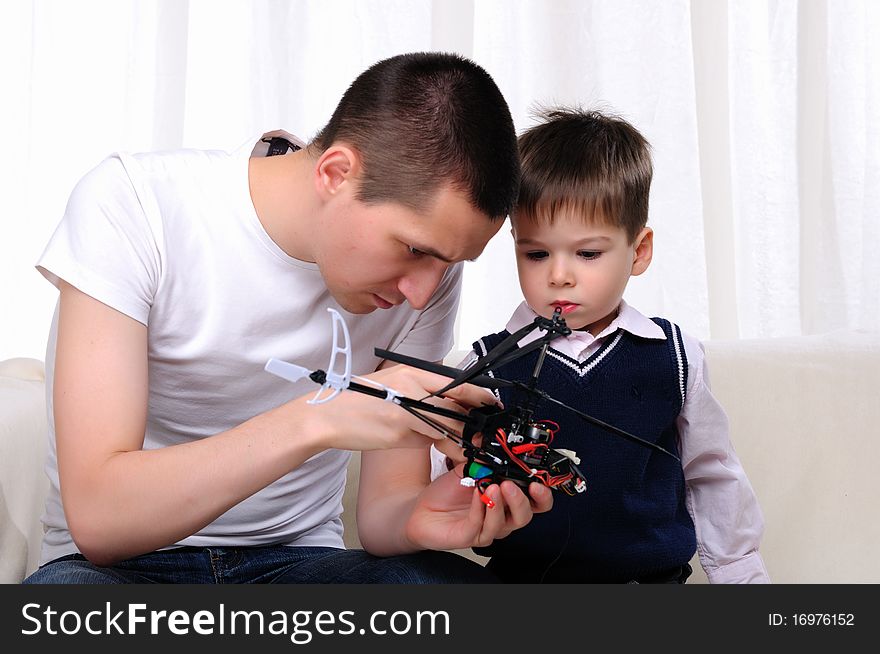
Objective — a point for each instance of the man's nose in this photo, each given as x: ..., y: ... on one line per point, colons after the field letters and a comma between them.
x: 418, y: 286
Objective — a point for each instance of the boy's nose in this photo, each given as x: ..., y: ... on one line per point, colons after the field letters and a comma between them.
x: 560, y: 274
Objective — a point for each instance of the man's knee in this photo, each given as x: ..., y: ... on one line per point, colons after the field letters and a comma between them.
x: 432, y: 567
x: 73, y: 571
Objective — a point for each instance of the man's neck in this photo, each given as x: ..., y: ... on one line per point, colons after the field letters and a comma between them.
x: 284, y: 200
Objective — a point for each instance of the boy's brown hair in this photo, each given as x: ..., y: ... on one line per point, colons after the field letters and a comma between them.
x: 591, y: 163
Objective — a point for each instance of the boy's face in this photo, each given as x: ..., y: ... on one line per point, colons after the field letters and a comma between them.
x: 380, y: 255
x: 582, y: 267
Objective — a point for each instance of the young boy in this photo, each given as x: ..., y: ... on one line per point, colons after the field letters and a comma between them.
x: 580, y: 232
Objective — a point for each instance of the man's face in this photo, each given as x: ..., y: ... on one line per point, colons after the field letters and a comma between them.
x: 380, y: 255
x: 581, y: 267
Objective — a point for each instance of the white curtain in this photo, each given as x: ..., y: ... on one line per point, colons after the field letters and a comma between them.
x: 764, y: 116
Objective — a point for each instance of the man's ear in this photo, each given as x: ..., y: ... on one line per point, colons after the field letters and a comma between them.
x: 644, y: 251
x: 337, y: 169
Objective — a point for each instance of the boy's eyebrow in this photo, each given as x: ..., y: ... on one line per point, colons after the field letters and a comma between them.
x: 595, y: 239
x: 583, y: 241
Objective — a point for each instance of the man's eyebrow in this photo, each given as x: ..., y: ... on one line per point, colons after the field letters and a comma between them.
x: 433, y: 253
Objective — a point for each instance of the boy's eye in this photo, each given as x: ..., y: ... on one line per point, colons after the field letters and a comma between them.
x: 415, y: 251
x: 536, y: 255
x: 589, y: 254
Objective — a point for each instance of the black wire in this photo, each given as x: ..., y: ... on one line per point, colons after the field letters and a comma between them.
x: 562, y: 551
x: 455, y: 438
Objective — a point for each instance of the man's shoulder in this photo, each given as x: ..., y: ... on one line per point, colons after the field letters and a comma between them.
x: 184, y: 161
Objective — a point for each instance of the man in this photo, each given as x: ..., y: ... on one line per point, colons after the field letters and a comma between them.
x: 174, y: 456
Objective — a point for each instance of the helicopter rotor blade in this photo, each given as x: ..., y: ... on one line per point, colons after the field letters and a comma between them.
x: 505, y: 351
x: 447, y: 371
x: 602, y: 425
x: 520, y: 352
x: 498, y: 362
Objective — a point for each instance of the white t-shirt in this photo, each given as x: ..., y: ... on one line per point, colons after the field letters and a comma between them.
x: 172, y: 240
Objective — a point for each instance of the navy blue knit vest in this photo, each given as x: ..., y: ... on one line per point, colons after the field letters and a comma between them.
x: 632, y: 521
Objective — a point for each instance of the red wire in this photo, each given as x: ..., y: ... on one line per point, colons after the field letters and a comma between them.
x: 543, y: 475
x: 501, y: 437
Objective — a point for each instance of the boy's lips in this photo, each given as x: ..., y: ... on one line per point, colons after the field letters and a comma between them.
x: 566, y: 307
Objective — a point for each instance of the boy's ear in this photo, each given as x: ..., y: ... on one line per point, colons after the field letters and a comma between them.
x: 337, y: 169
x: 644, y: 251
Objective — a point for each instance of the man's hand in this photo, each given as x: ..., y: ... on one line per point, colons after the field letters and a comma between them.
x: 399, y: 509
x: 448, y: 515
x: 354, y: 421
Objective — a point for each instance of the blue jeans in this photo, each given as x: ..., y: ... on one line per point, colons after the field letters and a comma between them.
x: 272, y: 564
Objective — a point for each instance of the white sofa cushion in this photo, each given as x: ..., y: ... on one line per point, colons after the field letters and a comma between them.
x: 804, y: 416
x: 805, y: 420
x: 23, y: 484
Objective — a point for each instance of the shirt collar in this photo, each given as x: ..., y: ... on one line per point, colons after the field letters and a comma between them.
x: 261, y: 147
x: 628, y: 318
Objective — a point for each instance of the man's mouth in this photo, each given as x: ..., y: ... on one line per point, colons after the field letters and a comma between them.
x: 381, y: 302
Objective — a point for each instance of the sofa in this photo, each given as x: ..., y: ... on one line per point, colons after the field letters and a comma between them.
x: 805, y: 421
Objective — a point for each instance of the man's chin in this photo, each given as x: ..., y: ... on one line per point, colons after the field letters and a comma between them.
x: 356, y: 306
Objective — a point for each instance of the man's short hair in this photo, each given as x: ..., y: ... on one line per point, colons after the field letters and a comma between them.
x: 589, y: 163
x: 421, y: 121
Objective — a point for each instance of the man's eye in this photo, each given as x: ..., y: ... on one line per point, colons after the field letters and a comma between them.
x: 589, y: 254
x: 415, y: 251
x: 536, y: 255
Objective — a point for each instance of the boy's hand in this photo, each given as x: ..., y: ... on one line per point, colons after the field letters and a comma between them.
x: 448, y: 515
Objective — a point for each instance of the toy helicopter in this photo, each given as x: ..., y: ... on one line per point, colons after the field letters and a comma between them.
x: 514, y: 444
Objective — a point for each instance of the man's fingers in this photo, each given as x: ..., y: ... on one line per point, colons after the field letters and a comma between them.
x: 451, y: 450
x: 496, y: 522
x: 512, y: 509
x: 541, y: 496
x: 471, y: 396
x: 518, y: 506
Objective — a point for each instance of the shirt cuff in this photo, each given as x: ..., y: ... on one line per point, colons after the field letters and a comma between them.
x: 749, y: 569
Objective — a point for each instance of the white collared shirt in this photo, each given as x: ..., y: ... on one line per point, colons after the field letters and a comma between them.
x: 720, y: 499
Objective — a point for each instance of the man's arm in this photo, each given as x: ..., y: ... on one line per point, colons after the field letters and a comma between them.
x: 121, y: 500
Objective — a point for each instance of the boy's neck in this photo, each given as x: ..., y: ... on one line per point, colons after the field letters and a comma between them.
x: 599, y: 326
